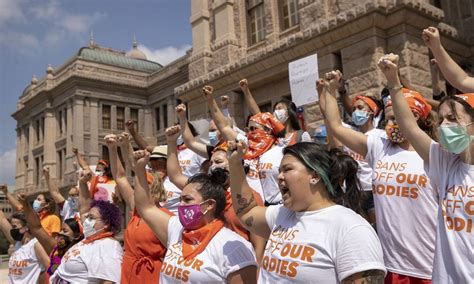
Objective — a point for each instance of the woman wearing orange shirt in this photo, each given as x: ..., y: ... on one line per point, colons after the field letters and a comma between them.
x: 144, y: 253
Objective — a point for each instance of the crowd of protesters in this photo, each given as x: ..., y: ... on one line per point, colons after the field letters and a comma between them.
x: 385, y: 197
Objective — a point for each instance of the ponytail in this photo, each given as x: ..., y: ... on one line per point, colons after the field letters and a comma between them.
x: 344, y: 171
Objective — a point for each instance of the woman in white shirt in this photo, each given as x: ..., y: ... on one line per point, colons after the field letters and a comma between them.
x: 405, y: 201
x: 97, y: 258
x: 200, y: 248
x: 29, y: 257
x: 451, y: 170
x: 310, y: 238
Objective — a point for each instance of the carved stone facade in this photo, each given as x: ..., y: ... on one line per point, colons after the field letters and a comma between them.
x: 92, y: 94
x: 350, y: 35
x: 232, y: 39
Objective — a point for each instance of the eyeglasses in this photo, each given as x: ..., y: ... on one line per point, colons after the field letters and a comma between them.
x: 90, y: 217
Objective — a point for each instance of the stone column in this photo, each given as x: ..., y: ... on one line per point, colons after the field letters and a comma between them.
x: 19, y: 174
x: 147, y: 122
x: 78, y: 128
x: 225, y: 47
x: 113, y: 117
x: 31, y: 158
x: 49, y: 148
x: 141, y: 121
x: 94, y: 126
x: 69, y: 157
x: 171, y: 112
x: 201, y: 55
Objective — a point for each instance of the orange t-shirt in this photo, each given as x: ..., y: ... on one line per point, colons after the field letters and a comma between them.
x: 232, y: 221
x: 144, y: 253
x: 51, y: 224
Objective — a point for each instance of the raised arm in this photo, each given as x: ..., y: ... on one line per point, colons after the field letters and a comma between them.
x: 175, y: 173
x: 321, y: 86
x: 250, y: 214
x: 5, y: 226
x: 34, y: 226
x: 80, y: 159
x: 193, y: 143
x: 249, y: 100
x: 155, y: 218
x: 450, y: 69
x: 219, y: 119
x: 11, y: 198
x: 118, y: 172
x: 127, y: 150
x: 356, y: 141
x: 84, y: 194
x: 137, y: 137
x: 405, y: 118
x: 345, y: 97
x: 52, y: 187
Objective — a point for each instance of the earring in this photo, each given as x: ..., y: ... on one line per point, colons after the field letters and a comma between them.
x: 313, y: 181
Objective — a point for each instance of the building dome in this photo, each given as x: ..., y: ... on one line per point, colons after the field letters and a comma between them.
x: 135, y: 52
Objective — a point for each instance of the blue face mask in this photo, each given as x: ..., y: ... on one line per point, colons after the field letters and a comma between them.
x: 73, y: 202
x: 213, y: 140
x: 454, y: 137
x: 360, y: 117
x: 37, y: 205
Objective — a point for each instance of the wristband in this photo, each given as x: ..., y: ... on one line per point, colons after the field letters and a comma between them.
x: 396, y: 88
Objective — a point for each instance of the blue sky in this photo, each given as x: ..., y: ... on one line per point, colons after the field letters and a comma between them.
x: 34, y: 34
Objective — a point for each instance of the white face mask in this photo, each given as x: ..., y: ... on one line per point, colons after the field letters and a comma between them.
x: 88, y: 228
x: 281, y: 115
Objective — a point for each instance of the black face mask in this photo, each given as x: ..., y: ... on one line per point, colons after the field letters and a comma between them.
x: 63, y: 241
x: 16, y: 235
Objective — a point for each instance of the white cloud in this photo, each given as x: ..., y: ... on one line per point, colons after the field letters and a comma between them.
x: 22, y: 42
x: 164, y: 55
x: 8, y: 167
x: 46, y: 11
x: 80, y: 23
x: 18, y: 16
x: 10, y: 10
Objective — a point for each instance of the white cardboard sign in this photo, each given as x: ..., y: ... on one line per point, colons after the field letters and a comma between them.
x: 303, y: 74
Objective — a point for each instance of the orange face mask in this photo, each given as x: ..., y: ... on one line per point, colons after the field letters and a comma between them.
x: 259, y: 142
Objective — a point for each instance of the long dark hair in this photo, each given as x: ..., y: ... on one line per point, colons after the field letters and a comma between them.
x: 51, y: 207
x: 332, y: 168
x: 292, y: 116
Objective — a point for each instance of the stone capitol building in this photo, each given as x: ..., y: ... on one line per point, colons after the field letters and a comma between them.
x: 98, y: 89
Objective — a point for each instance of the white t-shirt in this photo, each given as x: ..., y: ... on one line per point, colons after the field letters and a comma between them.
x: 190, y: 162
x: 323, y: 246
x: 268, y: 165
x: 365, y: 170
x: 227, y: 252
x: 405, y: 208
x: 173, y: 195
x: 86, y: 263
x: 24, y: 265
x: 253, y: 178
x: 454, y: 180
x: 67, y: 211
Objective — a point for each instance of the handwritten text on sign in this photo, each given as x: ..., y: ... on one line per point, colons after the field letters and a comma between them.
x: 303, y: 77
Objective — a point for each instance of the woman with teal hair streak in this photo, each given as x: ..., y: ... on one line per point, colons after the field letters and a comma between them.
x: 311, y: 238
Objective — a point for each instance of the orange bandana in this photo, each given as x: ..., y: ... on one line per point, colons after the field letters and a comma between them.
x: 416, y: 102
x: 469, y: 98
x: 221, y: 147
x: 98, y: 237
x: 195, y: 241
x: 259, y: 142
x: 372, y: 105
x: 96, y: 180
x: 228, y: 200
x: 268, y: 120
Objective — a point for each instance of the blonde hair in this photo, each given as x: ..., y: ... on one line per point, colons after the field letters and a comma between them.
x: 157, y: 190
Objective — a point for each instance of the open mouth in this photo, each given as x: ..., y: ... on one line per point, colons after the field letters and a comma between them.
x: 285, y: 191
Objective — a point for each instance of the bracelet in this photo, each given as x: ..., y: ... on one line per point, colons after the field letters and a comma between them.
x: 395, y: 88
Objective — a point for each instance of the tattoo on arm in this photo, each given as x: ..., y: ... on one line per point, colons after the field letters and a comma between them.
x: 366, y: 277
x: 243, y: 203
x: 249, y: 221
